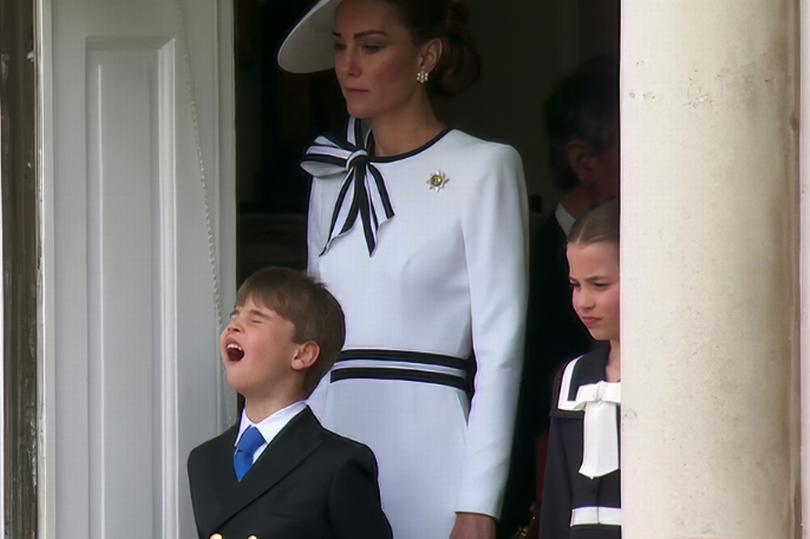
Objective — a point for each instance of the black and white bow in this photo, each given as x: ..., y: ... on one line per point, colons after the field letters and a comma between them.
x: 369, y: 197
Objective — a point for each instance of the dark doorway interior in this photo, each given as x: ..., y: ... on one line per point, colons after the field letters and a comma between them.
x: 277, y: 116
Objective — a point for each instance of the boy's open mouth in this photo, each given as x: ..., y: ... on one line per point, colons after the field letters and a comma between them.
x: 235, y: 352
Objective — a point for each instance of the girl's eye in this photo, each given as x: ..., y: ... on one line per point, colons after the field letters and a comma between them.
x: 340, y: 47
x: 371, y: 49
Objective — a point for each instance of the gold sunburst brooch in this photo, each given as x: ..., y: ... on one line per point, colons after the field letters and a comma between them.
x: 437, y: 181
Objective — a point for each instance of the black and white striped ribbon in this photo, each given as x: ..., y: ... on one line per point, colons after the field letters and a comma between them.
x: 369, y: 197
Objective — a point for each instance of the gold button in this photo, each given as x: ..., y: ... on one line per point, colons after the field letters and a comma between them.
x: 253, y: 537
x: 216, y: 536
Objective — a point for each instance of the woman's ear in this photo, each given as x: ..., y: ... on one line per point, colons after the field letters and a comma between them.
x: 430, y: 55
x: 306, y: 355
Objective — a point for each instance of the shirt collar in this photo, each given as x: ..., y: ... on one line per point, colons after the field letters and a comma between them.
x: 565, y: 219
x: 272, y: 424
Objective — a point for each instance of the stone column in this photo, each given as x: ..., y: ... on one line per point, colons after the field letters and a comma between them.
x: 710, y: 199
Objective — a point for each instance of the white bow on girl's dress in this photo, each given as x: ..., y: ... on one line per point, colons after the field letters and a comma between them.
x: 601, y: 431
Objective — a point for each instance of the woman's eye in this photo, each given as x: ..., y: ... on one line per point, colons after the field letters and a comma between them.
x: 340, y: 47
x: 372, y: 48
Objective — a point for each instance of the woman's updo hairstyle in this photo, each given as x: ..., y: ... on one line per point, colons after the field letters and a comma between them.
x: 598, y: 225
x: 460, y: 64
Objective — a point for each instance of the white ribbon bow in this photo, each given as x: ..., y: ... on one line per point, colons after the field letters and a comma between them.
x: 362, y: 193
x: 600, y: 446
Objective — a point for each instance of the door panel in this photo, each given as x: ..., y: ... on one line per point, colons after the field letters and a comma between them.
x: 141, y: 240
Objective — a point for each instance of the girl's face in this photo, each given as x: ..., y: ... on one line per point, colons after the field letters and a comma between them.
x: 594, y: 275
x: 376, y: 60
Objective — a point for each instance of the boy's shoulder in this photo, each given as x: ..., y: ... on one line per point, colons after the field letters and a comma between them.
x: 215, y: 445
x: 303, y: 426
x: 336, y: 443
x: 308, y: 482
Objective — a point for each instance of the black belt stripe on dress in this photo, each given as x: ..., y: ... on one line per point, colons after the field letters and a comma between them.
x: 466, y: 367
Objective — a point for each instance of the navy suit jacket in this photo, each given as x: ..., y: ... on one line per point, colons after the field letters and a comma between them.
x: 308, y: 483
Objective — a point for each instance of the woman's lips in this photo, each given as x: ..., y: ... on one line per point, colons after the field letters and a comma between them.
x: 235, y: 352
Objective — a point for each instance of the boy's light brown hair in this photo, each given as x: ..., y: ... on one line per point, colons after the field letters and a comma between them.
x: 312, y: 309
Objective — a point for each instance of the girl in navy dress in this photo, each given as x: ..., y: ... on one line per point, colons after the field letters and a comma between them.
x: 581, y: 494
x: 420, y: 232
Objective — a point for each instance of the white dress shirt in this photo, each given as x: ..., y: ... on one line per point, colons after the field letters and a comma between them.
x: 565, y: 219
x: 270, y: 426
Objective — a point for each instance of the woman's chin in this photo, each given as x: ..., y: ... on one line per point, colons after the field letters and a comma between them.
x: 357, y: 110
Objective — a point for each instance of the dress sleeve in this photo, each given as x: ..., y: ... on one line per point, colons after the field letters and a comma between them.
x: 495, y: 228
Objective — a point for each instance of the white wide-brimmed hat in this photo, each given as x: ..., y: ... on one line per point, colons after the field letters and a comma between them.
x: 309, y: 47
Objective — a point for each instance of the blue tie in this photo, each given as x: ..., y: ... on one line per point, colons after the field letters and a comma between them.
x: 243, y: 458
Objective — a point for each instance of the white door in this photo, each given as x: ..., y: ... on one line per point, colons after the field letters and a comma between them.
x: 139, y: 257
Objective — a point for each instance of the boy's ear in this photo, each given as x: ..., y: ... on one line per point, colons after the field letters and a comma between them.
x: 306, y: 355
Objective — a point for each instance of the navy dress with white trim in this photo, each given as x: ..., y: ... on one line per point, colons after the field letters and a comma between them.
x: 576, y: 506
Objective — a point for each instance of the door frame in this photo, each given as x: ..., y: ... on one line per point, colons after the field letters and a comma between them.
x: 19, y: 241
x: 223, y: 221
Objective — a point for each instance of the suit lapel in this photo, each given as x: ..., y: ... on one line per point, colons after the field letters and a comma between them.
x: 296, y: 441
x: 219, y: 467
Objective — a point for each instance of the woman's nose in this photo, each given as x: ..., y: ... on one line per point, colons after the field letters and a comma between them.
x: 346, y: 63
